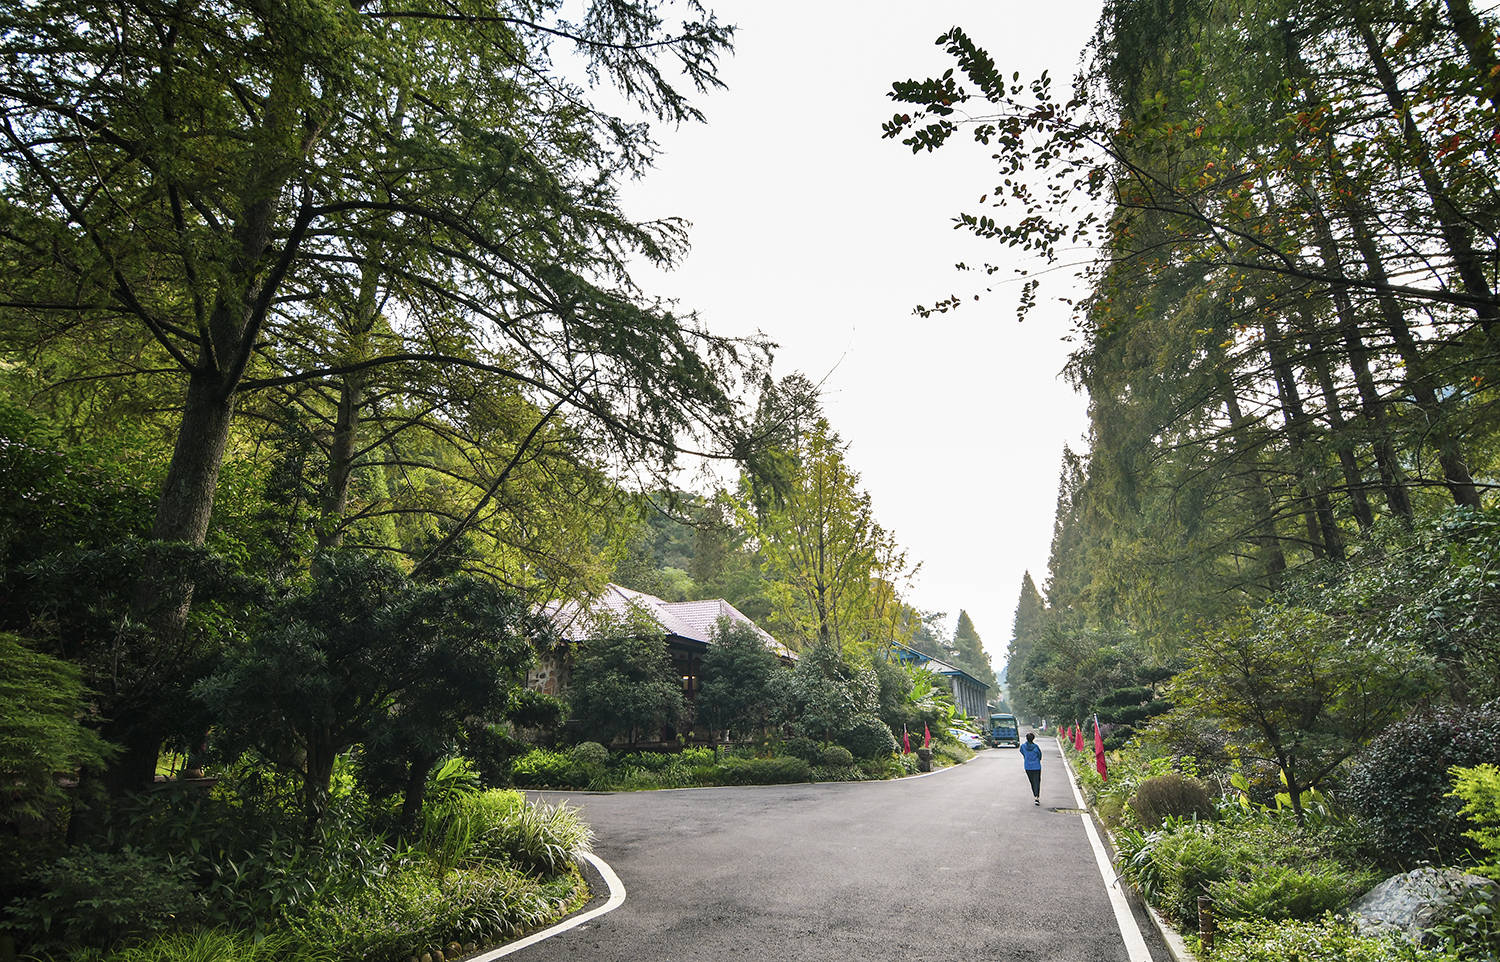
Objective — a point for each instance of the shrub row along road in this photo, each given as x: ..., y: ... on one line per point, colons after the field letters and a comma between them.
x: 957, y: 865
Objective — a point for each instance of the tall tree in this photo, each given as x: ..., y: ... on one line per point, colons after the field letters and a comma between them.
x: 225, y: 195
x: 1026, y: 629
x: 833, y: 570
x: 970, y: 654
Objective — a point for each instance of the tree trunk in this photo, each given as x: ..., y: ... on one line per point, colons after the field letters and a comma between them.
x: 1354, y: 481
x: 416, y: 791
x: 341, y: 462
x: 317, y: 780
x: 1298, y: 437
x: 1479, y: 45
x: 1456, y: 474
x: 1392, y: 478
x: 1457, y: 235
x: 1266, y: 537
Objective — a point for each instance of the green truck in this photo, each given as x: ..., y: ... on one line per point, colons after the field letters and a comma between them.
x: 1003, y: 730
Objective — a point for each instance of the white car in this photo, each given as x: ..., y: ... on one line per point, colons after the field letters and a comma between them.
x: 967, y: 739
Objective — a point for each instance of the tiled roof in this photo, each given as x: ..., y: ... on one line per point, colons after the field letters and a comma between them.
x: 690, y: 620
x: 703, y: 617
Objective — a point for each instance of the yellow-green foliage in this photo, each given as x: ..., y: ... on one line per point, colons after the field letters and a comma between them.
x: 1479, y: 787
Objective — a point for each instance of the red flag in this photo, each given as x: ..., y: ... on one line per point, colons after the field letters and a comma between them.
x: 1078, y: 739
x: 905, y: 741
x: 926, y: 737
x: 1099, y: 751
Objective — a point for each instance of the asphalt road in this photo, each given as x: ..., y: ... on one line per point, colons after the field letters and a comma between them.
x: 957, y: 865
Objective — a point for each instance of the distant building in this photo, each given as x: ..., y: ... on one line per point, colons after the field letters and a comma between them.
x: 969, y: 693
x: 686, y: 626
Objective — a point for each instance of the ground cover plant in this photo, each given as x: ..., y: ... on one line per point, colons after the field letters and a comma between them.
x: 1276, y: 886
x: 218, y: 874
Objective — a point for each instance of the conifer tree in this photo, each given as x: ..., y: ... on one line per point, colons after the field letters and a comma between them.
x: 969, y: 650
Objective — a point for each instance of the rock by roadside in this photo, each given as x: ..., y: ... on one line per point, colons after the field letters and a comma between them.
x: 1413, y: 902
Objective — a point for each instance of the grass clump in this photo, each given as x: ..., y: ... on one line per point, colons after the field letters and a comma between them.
x: 1171, y: 795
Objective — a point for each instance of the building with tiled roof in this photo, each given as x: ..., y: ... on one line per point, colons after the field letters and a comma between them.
x: 687, y: 628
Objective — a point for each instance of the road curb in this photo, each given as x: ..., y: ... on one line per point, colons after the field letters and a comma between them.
x: 616, y: 898
x: 1170, y: 937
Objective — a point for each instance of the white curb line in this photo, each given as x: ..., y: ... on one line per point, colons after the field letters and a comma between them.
x: 1135, y: 944
x: 616, y: 899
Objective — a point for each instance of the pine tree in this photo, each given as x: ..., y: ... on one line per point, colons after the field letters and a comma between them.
x: 969, y: 650
x: 1025, y: 629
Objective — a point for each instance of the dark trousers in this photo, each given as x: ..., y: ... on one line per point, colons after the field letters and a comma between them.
x: 1035, y: 774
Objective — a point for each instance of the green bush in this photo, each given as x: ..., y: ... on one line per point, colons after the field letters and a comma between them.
x: 540, y: 768
x: 952, y: 752
x: 800, y: 746
x: 647, y: 761
x: 779, y: 770
x: 835, y: 756
x: 638, y: 780
x: 590, y: 754
x: 1330, y: 939
x: 1279, y: 892
x: 1470, y: 927
x: 93, y: 898
x: 535, y: 838
x: 41, y: 736
x: 1262, y: 865
x: 1167, y: 795
x: 888, y: 767
x: 1401, y: 784
x: 696, y: 756
x: 1189, y: 860
x: 868, y: 737
x: 1479, y: 789
x: 412, y: 908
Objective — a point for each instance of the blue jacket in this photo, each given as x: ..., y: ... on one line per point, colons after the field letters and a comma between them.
x: 1032, y: 753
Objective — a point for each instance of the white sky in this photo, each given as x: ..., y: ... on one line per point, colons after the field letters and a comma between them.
x: 810, y: 228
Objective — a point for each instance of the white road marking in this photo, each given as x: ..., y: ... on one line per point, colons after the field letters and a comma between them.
x: 1135, y: 945
x: 616, y: 899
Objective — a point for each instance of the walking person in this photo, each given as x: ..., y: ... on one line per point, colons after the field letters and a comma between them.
x: 1031, y: 756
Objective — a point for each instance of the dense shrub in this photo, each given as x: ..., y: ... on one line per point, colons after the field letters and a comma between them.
x: 800, y: 746
x: 1190, y: 860
x: 1261, y: 864
x: 868, y: 737
x: 779, y: 770
x: 540, y: 768
x: 94, y: 898
x: 1280, y: 892
x: 887, y: 767
x: 648, y: 761
x: 1330, y: 939
x: 835, y: 756
x: 952, y: 752
x: 412, y: 908
x: 493, y: 750
x: 1400, y: 784
x: 540, y: 839
x: 41, y: 702
x: 1161, y: 796
x: 590, y: 754
x: 1479, y: 790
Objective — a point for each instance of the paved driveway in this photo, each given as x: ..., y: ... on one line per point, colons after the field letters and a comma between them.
x: 957, y: 865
